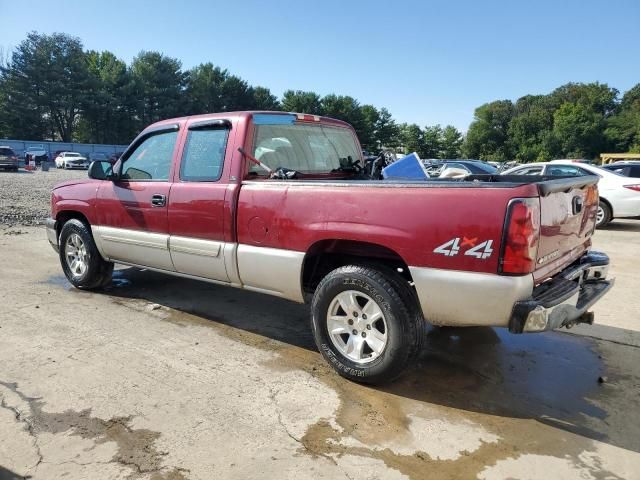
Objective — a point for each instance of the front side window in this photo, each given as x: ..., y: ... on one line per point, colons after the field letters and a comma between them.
x: 203, y: 156
x: 305, y: 148
x: 151, y: 159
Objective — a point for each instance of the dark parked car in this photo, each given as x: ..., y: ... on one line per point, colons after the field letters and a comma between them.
x: 8, y: 159
x: 628, y: 169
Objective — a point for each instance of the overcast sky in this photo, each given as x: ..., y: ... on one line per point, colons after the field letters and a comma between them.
x: 427, y: 62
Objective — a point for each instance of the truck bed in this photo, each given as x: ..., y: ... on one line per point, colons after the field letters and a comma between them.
x: 546, y: 183
x: 426, y: 214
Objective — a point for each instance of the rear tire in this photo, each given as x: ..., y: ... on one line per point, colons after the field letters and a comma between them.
x: 374, y: 349
x: 81, y: 262
x: 604, y: 215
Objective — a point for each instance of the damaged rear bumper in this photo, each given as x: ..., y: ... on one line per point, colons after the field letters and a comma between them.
x: 565, y: 299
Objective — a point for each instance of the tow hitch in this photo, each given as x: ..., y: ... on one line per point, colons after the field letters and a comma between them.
x: 586, y: 317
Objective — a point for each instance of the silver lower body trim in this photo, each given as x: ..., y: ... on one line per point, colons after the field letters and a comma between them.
x: 199, y: 257
x: 178, y: 274
x: 271, y: 270
x: 135, y: 246
x: 267, y: 270
x: 52, y: 233
x: 455, y: 298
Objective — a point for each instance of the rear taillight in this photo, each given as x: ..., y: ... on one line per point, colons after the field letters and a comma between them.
x: 592, y: 196
x: 521, y: 236
x: 635, y: 188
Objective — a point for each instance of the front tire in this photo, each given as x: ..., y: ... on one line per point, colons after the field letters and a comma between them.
x: 81, y: 262
x: 604, y: 215
x: 364, y: 324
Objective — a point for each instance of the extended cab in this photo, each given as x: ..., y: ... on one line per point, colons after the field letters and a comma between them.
x: 374, y: 258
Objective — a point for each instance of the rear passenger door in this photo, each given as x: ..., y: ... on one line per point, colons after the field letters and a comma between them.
x: 197, y: 203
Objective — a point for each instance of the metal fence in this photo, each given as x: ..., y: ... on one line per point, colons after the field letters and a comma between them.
x: 20, y: 146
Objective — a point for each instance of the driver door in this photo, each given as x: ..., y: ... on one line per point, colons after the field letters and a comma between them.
x: 132, y: 210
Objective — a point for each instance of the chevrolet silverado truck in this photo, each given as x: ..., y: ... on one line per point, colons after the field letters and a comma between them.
x: 278, y: 203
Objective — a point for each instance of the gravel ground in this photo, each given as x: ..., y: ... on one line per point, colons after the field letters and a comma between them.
x: 25, y: 196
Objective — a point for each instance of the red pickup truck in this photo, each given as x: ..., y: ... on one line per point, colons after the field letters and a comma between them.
x: 376, y: 259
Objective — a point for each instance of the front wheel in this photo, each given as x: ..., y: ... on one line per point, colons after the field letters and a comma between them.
x: 364, y: 325
x: 81, y: 262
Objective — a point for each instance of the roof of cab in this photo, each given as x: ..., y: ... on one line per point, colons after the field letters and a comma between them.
x: 243, y: 115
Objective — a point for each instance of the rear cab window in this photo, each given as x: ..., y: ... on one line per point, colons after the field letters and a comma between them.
x: 306, y: 147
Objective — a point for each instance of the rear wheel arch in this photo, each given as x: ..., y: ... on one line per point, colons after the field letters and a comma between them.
x: 326, y: 255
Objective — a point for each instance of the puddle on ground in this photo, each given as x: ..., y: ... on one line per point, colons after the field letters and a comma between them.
x: 501, y: 396
x: 135, y: 447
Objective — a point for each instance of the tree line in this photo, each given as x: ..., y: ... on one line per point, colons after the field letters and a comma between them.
x: 576, y: 120
x: 51, y: 88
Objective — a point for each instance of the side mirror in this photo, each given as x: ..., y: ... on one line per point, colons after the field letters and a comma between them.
x: 101, y: 170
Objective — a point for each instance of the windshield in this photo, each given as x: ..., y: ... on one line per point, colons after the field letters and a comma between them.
x: 69, y: 154
x: 6, y: 151
x: 304, y: 148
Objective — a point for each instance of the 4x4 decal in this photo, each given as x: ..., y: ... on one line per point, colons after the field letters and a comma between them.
x: 452, y: 247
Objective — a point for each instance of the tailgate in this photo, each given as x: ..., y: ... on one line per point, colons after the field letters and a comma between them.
x: 568, y: 208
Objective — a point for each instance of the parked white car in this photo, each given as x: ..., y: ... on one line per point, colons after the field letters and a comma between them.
x: 68, y: 160
x: 619, y: 195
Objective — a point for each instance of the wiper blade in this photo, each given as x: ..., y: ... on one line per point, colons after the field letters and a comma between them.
x: 255, y: 160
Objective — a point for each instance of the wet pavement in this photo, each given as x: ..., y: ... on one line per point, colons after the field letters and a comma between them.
x: 161, y: 377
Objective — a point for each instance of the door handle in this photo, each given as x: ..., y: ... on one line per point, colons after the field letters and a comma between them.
x: 158, y: 200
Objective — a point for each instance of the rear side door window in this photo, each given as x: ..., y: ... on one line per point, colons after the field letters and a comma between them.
x: 565, y: 170
x: 203, y: 156
x: 151, y: 159
x: 529, y: 171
